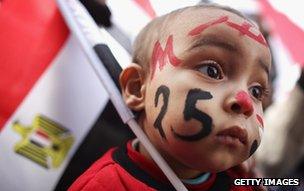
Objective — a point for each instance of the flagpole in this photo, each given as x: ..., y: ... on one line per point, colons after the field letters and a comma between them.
x: 88, y: 34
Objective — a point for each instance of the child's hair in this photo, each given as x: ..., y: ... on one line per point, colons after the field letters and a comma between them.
x: 143, y: 44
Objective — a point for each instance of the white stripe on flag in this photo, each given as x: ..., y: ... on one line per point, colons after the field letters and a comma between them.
x: 43, y: 141
x: 69, y: 93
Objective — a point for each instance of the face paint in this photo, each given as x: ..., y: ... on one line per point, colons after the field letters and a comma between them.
x: 261, y: 132
x: 244, y: 29
x: 159, y: 55
x: 253, y: 148
x: 261, y: 126
x: 165, y: 91
x: 243, y: 99
x: 260, y: 120
x: 191, y: 112
x: 199, y: 29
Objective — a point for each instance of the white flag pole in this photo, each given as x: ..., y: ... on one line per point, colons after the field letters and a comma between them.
x: 87, y: 32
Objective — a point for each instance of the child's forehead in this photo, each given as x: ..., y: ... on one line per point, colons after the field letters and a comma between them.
x: 216, y: 27
x: 191, y: 24
x: 192, y: 17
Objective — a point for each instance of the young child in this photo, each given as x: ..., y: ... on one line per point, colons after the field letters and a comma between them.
x: 198, y: 79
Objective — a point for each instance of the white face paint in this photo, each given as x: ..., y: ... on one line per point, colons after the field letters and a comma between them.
x: 260, y: 125
x: 261, y: 132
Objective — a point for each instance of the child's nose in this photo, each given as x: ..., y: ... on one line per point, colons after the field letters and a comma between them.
x: 241, y: 103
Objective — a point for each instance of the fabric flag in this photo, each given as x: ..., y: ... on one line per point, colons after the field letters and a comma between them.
x: 50, y: 96
x: 285, y: 26
x: 147, y: 7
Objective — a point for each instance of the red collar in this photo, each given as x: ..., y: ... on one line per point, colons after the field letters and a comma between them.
x: 151, y: 168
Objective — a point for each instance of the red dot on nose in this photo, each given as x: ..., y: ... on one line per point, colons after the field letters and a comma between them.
x: 244, y: 100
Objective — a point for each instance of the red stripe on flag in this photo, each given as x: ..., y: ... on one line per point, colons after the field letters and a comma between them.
x: 31, y: 34
x: 291, y: 35
x: 42, y: 134
x: 147, y: 7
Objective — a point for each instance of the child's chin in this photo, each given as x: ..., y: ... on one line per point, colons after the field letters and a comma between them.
x: 213, y: 165
x: 219, y: 168
x: 214, y: 168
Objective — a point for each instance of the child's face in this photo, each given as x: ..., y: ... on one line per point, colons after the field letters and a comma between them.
x: 203, y: 104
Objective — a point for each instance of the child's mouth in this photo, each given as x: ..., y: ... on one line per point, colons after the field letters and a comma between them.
x: 233, y: 136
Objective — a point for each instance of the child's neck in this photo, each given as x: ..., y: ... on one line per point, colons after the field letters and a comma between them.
x: 182, y: 171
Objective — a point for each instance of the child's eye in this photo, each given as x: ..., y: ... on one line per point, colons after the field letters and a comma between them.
x: 257, y: 92
x: 211, y: 69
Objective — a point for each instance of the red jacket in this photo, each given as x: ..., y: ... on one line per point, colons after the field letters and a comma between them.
x: 124, y: 169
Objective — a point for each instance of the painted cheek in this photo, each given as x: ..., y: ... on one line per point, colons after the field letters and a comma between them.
x: 260, y: 126
x: 243, y: 99
x: 165, y: 91
x: 159, y: 56
x: 260, y: 120
x: 253, y: 147
x: 191, y: 112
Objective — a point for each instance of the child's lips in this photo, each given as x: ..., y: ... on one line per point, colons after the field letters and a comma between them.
x: 233, y: 135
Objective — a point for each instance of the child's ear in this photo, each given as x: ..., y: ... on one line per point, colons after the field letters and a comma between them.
x: 132, y: 83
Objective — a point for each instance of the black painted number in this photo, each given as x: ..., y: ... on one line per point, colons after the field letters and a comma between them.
x: 191, y: 112
x: 165, y: 91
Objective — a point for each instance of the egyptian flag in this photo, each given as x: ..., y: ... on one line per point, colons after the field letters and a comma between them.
x: 55, y: 117
x: 49, y: 95
x: 286, y: 21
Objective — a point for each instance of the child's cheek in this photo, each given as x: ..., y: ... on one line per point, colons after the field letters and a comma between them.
x: 253, y: 147
x: 165, y: 92
x: 192, y: 113
x: 187, y: 115
x: 260, y: 128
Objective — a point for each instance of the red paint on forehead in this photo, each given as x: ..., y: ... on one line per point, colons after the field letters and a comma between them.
x: 197, y: 30
x: 244, y: 100
x: 159, y: 55
x: 260, y: 120
x: 244, y: 29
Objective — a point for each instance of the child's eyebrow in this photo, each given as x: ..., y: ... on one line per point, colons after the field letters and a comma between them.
x: 214, y: 40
